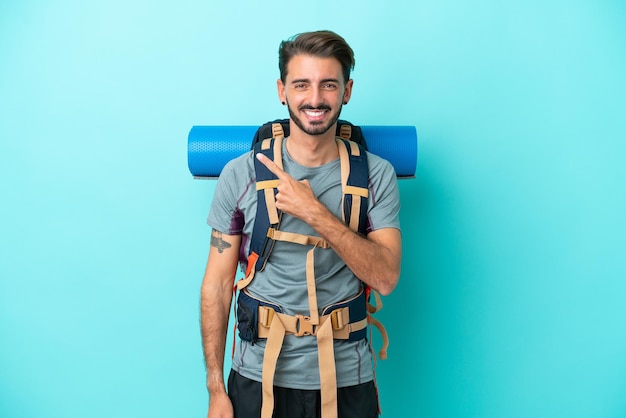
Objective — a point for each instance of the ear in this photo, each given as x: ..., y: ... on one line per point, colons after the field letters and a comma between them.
x: 280, y: 86
x: 347, y: 91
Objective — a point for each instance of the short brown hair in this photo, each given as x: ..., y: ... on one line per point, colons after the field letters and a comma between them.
x: 324, y: 44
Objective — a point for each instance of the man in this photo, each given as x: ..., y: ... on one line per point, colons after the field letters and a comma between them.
x: 314, y: 84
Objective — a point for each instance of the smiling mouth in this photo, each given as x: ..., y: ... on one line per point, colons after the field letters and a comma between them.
x: 315, y: 114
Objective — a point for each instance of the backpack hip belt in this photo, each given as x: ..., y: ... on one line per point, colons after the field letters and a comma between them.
x: 348, y: 318
x: 345, y: 320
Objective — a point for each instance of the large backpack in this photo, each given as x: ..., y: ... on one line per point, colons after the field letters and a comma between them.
x: 344, y: 320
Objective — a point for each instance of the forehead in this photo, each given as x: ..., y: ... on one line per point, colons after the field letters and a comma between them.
x: 313, y: 68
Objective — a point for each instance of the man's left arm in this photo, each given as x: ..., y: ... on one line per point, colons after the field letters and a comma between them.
x: 374, y: 259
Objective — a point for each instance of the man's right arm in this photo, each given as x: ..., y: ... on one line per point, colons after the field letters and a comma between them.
x: 215, y: 299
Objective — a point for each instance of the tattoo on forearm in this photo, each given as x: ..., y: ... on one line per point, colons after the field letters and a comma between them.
x: 218, y: 242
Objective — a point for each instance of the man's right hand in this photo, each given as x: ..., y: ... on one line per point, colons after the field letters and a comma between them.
x: 220, y: 407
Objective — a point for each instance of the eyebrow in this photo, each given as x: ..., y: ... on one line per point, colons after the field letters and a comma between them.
x: 306, y: 80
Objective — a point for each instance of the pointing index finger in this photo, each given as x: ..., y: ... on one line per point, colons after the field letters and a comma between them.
x: 271, y: 166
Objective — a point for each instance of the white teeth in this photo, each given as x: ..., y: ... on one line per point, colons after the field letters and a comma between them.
x: 314, y: 113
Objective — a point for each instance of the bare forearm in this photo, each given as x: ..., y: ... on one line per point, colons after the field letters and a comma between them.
x: 215, y: 299
x: 215, y: 307
x: 375, y: 263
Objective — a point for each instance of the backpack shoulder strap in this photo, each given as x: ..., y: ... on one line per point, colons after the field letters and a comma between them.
x: 267, y: 215
x: 354, y: 183
x: 278, y: 128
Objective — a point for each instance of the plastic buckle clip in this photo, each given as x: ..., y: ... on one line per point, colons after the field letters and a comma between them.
x: 303, y: 326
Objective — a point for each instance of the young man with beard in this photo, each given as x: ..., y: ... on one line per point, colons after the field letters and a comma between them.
x: 314, y: 84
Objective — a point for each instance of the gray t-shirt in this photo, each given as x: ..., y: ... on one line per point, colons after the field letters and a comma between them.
x: 283, y: 280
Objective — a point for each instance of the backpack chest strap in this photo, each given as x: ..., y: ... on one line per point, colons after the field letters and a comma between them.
x: 295, y: 238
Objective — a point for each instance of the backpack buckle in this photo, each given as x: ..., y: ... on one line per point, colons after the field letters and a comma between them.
x: 303, y: 326
x: 266, y: 315
x: 338, y: 318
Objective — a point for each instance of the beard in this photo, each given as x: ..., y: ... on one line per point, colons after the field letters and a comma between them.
x: 315, y: 128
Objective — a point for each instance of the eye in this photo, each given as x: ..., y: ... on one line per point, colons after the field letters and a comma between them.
x: 329, y: 86
x: 299, y: 86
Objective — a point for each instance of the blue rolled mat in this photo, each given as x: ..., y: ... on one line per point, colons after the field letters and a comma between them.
x: 209, y: 148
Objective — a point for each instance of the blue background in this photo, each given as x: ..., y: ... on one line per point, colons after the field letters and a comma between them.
x: 511, y: 301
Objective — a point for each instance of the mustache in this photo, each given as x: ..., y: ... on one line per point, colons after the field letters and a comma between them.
x: 309, y: 107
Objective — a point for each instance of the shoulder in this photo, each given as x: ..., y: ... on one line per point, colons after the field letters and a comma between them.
x: 383, y: 181
x: 379, y: 167
x: 236, y: 177
x: 242, y: 166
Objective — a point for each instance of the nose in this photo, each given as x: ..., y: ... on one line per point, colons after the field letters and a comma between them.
x: 316, y: 96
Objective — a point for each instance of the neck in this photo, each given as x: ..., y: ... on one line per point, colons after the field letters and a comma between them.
x: 312, y: 150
